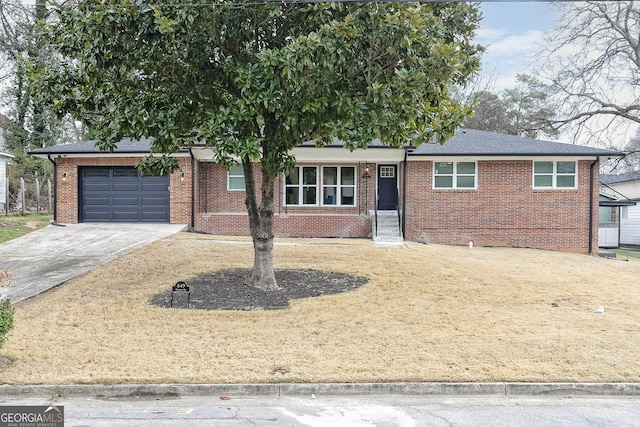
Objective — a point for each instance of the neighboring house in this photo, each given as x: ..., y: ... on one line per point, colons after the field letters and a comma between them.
x: 481, y: 187
x: 621, y: 208
x: 5, y: 160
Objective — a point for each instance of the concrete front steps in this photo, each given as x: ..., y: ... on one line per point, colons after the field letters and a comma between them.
x: 388, y: 229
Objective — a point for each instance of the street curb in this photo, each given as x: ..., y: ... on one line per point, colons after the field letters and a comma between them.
x: 495, y: 389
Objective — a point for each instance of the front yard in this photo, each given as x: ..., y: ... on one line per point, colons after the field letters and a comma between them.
x: 428, y: 313
x: 12, y: 226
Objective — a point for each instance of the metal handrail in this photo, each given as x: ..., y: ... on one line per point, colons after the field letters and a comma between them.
x: 398, y: 212
x: 375, y: 210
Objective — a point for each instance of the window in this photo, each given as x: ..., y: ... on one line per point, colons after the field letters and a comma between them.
x: 387, y: 172
x: 454, y: 175
x: 338, y: 186
x: 302, y: 186
x: 125, y: 173
x: 554, y: 175
x: 235, y: 179
x: 96, y: 173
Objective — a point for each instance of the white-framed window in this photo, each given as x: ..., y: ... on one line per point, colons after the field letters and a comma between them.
x: 235, y: 178
x: 454, y: 175
x: 338, y: 186
x: 301, y: 186
x: 555, y: 174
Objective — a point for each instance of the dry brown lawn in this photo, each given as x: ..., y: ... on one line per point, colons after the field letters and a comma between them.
x: 428, y: 313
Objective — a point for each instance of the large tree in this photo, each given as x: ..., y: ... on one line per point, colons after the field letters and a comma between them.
x: 594, y: 64
x: 523, y: 110
x: 29, y: 125
x: 255, y: 80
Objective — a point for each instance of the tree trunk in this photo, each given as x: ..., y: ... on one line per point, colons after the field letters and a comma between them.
x: 263, y: 276
x: 261, y: 226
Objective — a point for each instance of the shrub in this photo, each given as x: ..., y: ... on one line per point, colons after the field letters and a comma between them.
x: 6, y: 319
x: 6, y: 311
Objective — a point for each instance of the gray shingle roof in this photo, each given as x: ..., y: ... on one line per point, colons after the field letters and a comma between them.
x: 466, y: 142
x: 471, y: 142
x: 141, y: 146
x: 623, y: 177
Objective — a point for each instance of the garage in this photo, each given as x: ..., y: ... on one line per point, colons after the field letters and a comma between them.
x: 122, y: 194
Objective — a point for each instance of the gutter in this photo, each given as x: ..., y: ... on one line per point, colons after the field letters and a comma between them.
x: 193, y: 180
x: 591, y: 169
x: 404, y: 193
x: 55, y: 190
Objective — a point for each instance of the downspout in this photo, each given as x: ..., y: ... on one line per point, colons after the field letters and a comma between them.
x: 55, y: 190
x: 193, y: 190
x: 591, y: 169
x: 404, y: 192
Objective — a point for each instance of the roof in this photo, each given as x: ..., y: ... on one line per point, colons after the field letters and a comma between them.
x: 126, y: 146
x: 466, y: 142
x: 623, y: 177
x: 471, y: 142
x: 617, y: 203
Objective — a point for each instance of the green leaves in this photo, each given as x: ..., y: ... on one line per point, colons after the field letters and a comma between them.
x: 6, y: 319
x: 158, y: 166
x: 258, y: 80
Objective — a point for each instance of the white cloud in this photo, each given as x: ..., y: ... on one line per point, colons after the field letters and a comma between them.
x: 528, y: 42
x: 487, y: 35
x: 507, y: 55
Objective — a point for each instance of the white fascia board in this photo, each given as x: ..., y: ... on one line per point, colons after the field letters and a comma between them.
x: 326, y: 155
x: 202, y: 154
x: 342, y: 155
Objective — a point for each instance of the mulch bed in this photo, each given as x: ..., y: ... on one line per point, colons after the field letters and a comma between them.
x: 225, y: 290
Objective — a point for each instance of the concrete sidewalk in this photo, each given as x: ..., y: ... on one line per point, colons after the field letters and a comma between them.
x: 52, y: 255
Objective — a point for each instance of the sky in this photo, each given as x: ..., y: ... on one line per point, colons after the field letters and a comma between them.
x: 513, y: 33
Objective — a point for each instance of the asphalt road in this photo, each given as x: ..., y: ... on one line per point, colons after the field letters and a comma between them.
x: 345, y: 411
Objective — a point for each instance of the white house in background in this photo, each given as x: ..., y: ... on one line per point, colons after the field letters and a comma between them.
x: 620, y: 200
x: 5, y: 159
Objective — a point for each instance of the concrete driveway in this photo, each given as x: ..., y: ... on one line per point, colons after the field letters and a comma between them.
x: 52, y: 255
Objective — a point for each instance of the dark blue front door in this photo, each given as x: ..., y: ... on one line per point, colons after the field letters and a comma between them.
x: 387, y: 187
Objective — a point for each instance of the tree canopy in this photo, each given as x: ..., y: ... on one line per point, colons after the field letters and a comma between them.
x: 255, y: 80
x: 594, y: 65
x: 27, y: 124
x: 523, y: 110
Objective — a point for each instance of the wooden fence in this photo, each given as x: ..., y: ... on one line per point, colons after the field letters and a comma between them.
x: 27, y: 197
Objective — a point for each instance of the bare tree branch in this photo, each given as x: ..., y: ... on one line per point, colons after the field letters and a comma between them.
x: 593, y: 63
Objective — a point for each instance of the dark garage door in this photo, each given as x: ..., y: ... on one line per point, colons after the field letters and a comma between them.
x: 122, y: 195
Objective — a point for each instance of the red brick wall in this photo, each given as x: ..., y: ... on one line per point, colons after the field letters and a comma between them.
x: 180, y: 193
x: 504, y: 210
x: 67, y: 192
x: 221, y: 211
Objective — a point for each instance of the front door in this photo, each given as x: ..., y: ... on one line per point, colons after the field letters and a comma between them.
x: 387, y: 187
